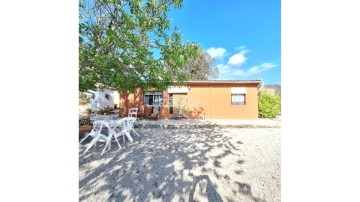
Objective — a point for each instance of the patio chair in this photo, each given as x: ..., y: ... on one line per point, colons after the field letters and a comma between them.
x: 123, y: 128
x: 155, y: 114
x: 129, y: 125
x: 119, y: 130
x: 98, y: 136
x: 133, y: 112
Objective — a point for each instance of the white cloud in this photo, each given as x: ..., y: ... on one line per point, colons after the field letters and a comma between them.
x: 216, y: 52
x: 240, y: 48
x: 261, y: 68
x: 238, y: 58
x: 234, y: 68
x: 230, y: 71
x: 223, y: 69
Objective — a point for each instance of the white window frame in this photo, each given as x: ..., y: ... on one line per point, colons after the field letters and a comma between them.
x: 155, y: 102
x: 233, y: 102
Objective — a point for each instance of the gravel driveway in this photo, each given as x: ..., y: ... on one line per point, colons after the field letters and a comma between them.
x: 218, y: 164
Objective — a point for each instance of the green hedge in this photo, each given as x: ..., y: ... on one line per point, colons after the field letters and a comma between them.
x: 269, y: 105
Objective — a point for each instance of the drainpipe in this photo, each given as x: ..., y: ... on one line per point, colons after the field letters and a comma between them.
x: 261, y: 85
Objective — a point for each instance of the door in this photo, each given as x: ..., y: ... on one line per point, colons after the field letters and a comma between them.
x: 179, y: 103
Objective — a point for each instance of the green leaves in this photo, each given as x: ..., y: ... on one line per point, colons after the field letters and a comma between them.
x: 196, y: 63
x: 269, y: 105
x: 86, y: 81
x: 119, y: 39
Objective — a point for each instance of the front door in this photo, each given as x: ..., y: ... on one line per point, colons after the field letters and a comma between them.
x: 179, y: 103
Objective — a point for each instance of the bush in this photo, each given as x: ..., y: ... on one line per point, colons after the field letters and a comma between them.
x: 83, y: 99
x: 269, y: 105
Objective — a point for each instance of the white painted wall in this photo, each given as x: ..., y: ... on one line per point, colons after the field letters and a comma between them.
x: 99, y: 101
x: 117, y: 98
x: 177, y: 89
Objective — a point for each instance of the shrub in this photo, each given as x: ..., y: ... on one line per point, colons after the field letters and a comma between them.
x: 269, y: 105
x: 83, y: 99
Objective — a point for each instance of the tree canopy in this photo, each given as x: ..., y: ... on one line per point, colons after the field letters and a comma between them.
x: 125, y: 43
x: 200, y: 67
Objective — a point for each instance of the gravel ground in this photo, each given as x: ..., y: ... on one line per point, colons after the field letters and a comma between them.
x: 192, y: 123
x: 218, y: 164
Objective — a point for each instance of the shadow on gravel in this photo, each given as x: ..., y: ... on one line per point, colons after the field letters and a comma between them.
x: 246, y: 190
x: 206, y: 190
x: 154, y: 167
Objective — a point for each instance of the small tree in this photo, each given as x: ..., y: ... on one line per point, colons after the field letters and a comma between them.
x: 269, y: 105
x: 199, y: 67
x: 125, y: 43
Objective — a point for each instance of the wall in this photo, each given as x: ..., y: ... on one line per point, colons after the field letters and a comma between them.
x: 198, y: 101
x: 136, y: 100
x: 130, y: 100
x: 116, y: 98
x: 211, y: 100
x: 215, y: 102
x: 101, y: 100
x: 164, y: 110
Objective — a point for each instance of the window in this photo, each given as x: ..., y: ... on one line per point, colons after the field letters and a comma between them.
x: 238, y: 99
x: 153, y: 98
x: 107, y: 96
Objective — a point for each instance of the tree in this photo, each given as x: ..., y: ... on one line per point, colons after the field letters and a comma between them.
x: 269, y: 105
x: 125, y: 43
x: 200, y: 67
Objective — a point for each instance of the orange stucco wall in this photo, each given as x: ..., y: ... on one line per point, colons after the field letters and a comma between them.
x: 136, y: 100
x: 211, y: 100
x: 214, y: 101
x: 130, y: 100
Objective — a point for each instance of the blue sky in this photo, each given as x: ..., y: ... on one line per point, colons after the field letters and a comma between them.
x: 244, y: 36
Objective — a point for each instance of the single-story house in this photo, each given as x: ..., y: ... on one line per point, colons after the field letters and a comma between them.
x: 212, y: 99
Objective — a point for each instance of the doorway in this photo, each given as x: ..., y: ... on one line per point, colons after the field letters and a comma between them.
x: 179, y: 105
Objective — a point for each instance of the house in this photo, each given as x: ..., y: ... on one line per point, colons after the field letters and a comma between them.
x: 104, y: 97
x: 212, y: 99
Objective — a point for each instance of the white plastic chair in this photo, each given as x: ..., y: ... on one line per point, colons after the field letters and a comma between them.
x: 119, y: 130
x: 96, y: 128
x: 133, y: 112
x: 98, y: 136
x: 124, y: 127
x: 155, y: 111
x: 129, y: 125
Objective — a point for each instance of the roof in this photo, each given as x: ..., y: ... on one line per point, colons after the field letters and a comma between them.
x: 204, y: 82
x: 255, y: 81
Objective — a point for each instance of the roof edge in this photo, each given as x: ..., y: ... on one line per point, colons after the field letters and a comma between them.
x: 255, y: 81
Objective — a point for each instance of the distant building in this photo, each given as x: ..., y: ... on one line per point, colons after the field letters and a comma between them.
x: 103, y: 97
